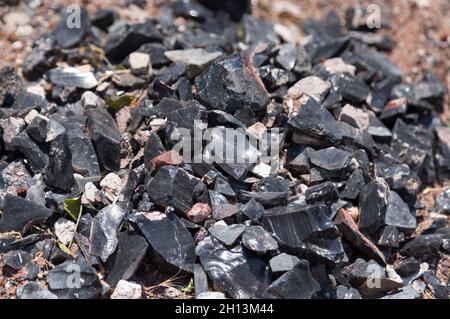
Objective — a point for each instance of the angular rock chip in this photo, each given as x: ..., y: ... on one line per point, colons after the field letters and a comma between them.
x: 16, y: 259
x: 84, y: 159
x: 10, y: 86
x: 350, y: 88
x: 282, y: 263
x: 355, y: 117
x: 33, y: 290
x: 104, y: 228
x: 173, y: 186
x: 257, y: 239
x: 305, y: 229
x: 331, y: 159
x: 72, y: 77
x: 228, y: 235
x: 106, y: 139
x: 398, y: 214
x: 443, y: 201
x: 168, y: 237
x: 20, y: 214
x: 59, y: 173
x: 354, y: 185
x: 316, y: 122
x: 221, y: 207
x: 297, y: 283
x: 123, y: 263
x: 36, y: 158
x: 126, y: 38
x: 252, y: 209
x: 230, y: 84
x: 389, y: 237
x: 61, y: 281
x: 196, y: 59
x: 239, y: 273
x: 312, y: 86
x: 373, y: 203
x: 326, y: 192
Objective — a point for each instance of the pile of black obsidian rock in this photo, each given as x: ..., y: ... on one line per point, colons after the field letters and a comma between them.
x: 93, y: 191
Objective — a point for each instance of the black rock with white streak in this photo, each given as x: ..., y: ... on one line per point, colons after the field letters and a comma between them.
x: 240, y: 274
x: 168, y: 238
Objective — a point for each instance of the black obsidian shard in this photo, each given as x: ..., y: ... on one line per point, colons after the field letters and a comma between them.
x: 121, y: 265
x: 20, y: 214
x: 316, y: 122
x: 126, y: 38
x: 373, y: 203
x: 398, y: 214
x: 305, y: 230
x: 84, y: 158
x: 241, y: 274
x: 297, y: 283
x: 230, y: 84
x: 37, y: 159
x: 105, y: 136
x: 59, y: 173
x: 173, y: 186
x: 168, y: 237
x: 74, y: 280
x: 257, y: 239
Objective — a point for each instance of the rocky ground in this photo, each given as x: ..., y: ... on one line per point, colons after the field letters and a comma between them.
x: 353, y: 201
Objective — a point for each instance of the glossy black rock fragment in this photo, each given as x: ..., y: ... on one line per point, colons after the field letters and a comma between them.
x: 37, y: 159
x: 354, y: 185
x: 252, y: 209
x: 20, y: 214
x: 16, y: 259
x: 121, y: 265
x: 257, y: 239
x: 325, y: 192
x: 231, y: 83
x: 240, y: 274
x: 126, y: 38
x: 398, y: 214
x: 297, y: 283
x: 84, y: 158
x: 373, y: 203
x: 168, y: 238
x: 105, y: 138
x: 173, y: 186
x: 221, y: 207
x: 104, y: 228
x: 282, y: 263
x: 59, y: 173
x: 85, y: 285
x: 227, y: 235
x: 306, y: 230
x: 315, y: 122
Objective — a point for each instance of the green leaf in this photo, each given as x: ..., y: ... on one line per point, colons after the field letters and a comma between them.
x: 73, y: 206
x: 64, y: 248
x: 189, y: 288
x: 116, y: 103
